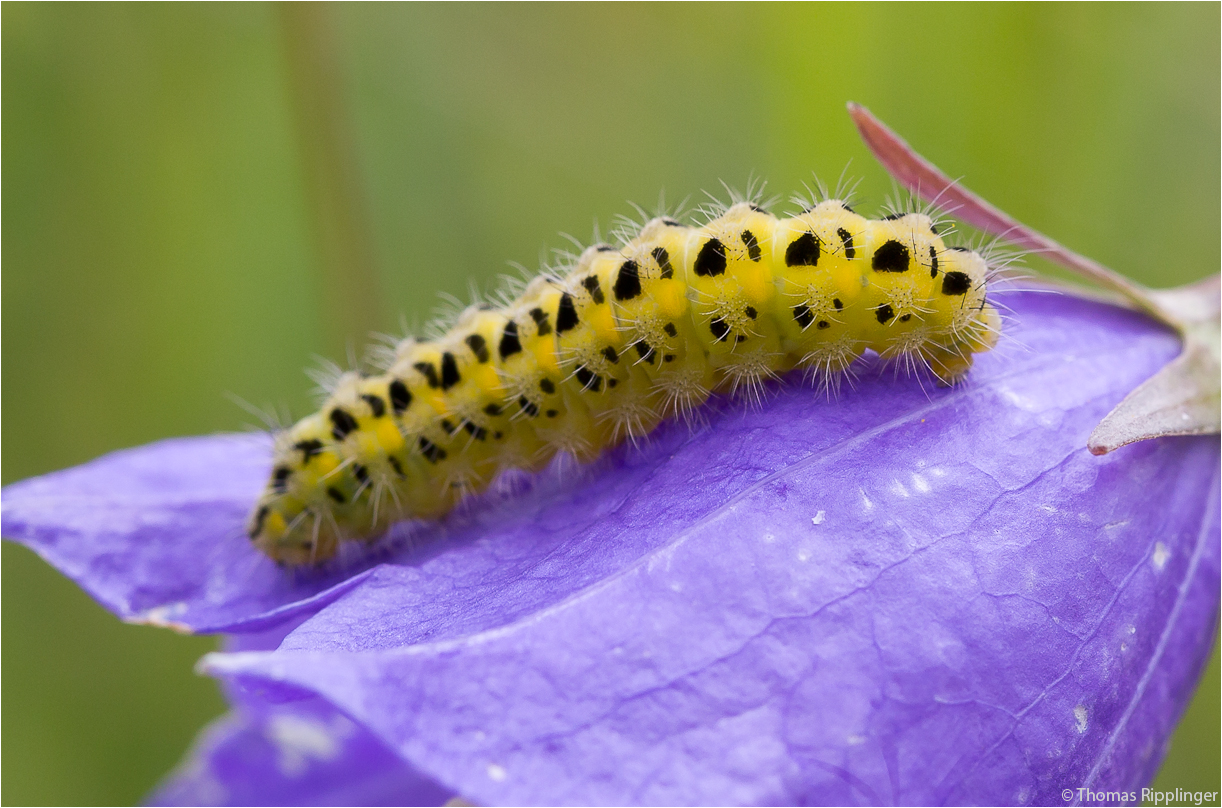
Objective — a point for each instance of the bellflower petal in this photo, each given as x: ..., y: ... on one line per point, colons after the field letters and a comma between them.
x: 155, y: 535
x: 306, y: 754
x: 902, y: 596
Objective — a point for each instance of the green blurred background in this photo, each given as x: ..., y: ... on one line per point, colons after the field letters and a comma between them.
x: 198, y: 199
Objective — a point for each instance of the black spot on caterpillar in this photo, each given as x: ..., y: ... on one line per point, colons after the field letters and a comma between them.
x: 479, y: 347
x: 376, y: 405
x: 256, y: 526
x: 449, y: 371
x: 594, y: 288
x: 803, y: 251
x: 566, y: 318
x: 344, y: 424
x: 663, y: 258
x: 628, y: 282
x: 400, y: 397
x: 510, y: 344
x: 627, y: 335
x: 711, y: 259
x: 956, y: 283
x: 846, y: 239
x: 431, y: 451
x: 541, y: 324
x: 891, y: 257
x: 429, y: 372
x: 308, y: 449
x: 752, y: 245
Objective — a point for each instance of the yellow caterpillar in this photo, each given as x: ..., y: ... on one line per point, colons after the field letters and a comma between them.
x: 627, y: 336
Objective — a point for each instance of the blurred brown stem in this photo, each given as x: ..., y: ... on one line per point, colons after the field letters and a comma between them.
x: 351, y: 288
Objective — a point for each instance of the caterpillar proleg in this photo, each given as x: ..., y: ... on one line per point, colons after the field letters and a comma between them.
x: 603, y: 349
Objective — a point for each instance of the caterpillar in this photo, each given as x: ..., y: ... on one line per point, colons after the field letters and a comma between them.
x: 603, y: 349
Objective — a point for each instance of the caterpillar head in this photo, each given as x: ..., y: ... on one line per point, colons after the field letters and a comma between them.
x: 288, y: 523
x: 333, y: 473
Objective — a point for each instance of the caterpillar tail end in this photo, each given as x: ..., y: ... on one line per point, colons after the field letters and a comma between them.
x: 951, y: 363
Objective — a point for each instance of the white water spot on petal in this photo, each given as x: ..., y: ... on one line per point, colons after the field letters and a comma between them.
x: 661, y: 560
x: 496, y: 772
x: 865, y: 500
x: 1160, y: 556
x: 1079, y: 718
x: 164, y: 616
x: 920, y: 484
x: 1049, y: 418
x: 298, y: 740
x: 817, y: 519
x: 804, y: 554
x: 855, y: 740
x: 899, y: 490
x: 206, y: 786
x: 1019, y: 399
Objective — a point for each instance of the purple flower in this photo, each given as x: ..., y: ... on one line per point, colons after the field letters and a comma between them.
x: 907, y: 595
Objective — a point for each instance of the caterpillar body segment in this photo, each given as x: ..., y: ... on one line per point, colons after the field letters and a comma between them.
x: 629, y: 335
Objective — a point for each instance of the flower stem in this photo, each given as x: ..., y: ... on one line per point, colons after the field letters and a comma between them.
x: 351, y: 286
